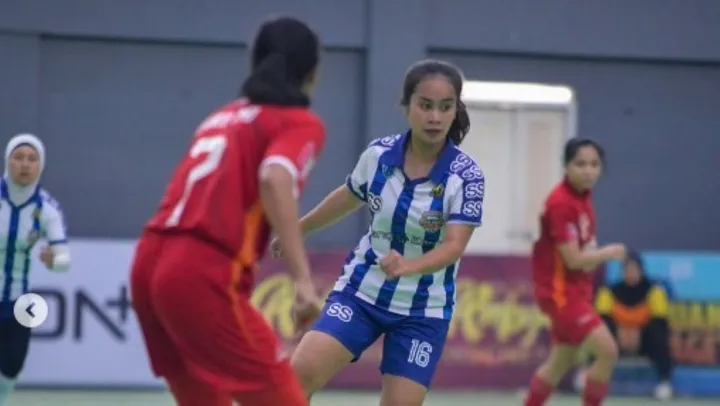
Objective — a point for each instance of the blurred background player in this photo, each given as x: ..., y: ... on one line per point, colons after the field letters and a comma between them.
x: 425, y: 196
x: 27, y: 214
x: 193, y: 271
x: 636, y: 310
x: 563, y: 260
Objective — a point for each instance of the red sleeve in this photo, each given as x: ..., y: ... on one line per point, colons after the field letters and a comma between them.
x: 562, y: 222
x: 296, y: 149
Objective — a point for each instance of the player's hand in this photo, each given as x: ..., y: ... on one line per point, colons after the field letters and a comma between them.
x: 395, y: 265
x: 307, y: 306
x: 275, y: 249
x: 618, y: 251
x: 47, y: 256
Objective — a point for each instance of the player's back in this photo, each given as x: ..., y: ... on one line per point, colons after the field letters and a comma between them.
x: 214, y: 192
x: 567, y: 216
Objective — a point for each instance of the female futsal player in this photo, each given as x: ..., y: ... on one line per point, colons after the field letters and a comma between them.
x: 194, y: 266
x: 27, y: 214
x: 563, y: 260
x: 425, y: 196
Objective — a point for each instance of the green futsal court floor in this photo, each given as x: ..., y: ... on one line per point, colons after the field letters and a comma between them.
x: 96, y: 398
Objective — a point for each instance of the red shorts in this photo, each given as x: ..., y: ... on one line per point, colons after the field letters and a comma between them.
x: 572, y: 323
x: 199, y: 329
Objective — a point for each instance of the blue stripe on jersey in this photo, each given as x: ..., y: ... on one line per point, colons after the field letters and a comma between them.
x: 420, y: 299
x: 10, y: 252
x: 370, y: 258
x: 449, y: 284
x: 397, y: 228
x: 28, y: 253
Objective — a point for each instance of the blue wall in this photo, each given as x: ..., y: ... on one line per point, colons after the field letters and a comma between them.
x: 115, y: 89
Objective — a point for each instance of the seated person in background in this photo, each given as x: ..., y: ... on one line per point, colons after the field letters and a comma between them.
x: 636, y: 311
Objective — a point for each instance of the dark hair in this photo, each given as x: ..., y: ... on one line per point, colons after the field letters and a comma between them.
x: 422, y: 69
x: 284, y: 54
x: 574, y: 144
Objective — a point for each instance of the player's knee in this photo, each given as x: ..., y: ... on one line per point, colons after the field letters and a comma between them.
x: 317, y: 358
x: 11, y: 367
x: 400, y: 391
x: 606, y: 350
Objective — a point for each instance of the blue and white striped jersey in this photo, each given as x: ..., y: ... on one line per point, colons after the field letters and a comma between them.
x: 20, y: 228
x: 409, y: 217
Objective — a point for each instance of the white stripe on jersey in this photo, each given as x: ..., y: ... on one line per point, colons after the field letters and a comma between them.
x: 409, y: 217
x: 20, y: 228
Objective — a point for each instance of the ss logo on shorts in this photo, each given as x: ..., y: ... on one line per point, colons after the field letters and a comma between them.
x: 344, y: 313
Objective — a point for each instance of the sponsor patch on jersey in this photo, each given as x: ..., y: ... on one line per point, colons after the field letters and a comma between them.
x: 432, y: 220
x: 437, y: 191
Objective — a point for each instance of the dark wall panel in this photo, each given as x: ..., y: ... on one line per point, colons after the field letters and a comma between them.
x: 662, y: 29
x: 659, y: 125
x: 117, y: 116
x: 228, y: 21
x: 18, y: 84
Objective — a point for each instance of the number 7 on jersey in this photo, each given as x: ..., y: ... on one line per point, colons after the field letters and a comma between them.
x: 214, y: 148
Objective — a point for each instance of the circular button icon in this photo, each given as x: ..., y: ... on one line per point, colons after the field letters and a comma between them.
x: 31, y: 310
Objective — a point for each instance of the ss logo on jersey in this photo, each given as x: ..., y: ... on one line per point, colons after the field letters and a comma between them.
x: 472, y: 208
x: 344, y: 313
x: 374, y: 203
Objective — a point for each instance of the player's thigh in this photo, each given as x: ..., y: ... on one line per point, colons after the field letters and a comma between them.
x: 14, y: 345
x: 411, y: 353
x: 289, y: 393
x: 572, y: 324
x: 345, y: 329
x: 190, y: 391
x: 561, y: 359
x: 602, y: 344
x: 225, y: 341
x: 163, y: 354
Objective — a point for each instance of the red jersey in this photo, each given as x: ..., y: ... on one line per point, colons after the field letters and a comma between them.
x: 214, y: 192
x: 568, y: 216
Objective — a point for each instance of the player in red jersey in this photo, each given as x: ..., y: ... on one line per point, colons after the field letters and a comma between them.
x: 563, y: 260
x: 193, y: 270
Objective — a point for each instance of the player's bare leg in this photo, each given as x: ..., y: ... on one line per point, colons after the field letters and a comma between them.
x: 548, y: 375
x: 399, y: 391
x: 317, y: 359
x: 603, y: 346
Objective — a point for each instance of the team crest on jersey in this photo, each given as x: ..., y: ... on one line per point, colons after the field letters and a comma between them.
x: 437, y: 191
x: 34, y: 235
x: 387, y: 171
x: 432, y: 220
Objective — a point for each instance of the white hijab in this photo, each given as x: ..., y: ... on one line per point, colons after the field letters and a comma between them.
x: 20, y: 194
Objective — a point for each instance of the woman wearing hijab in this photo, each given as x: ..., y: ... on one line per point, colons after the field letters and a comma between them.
x: 636, y: 310
x: 27, y: 214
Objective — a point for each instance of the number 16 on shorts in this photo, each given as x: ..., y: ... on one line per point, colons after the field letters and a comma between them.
x: 420, y: 352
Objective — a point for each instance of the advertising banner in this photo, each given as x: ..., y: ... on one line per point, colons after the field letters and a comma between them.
x: 91, y: 337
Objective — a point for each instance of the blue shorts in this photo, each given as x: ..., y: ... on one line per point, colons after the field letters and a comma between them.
x: 412, y: 345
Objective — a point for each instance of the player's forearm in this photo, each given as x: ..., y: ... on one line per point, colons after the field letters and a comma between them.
x: 439, y: 258
x: 281, y: 209
x: 336, y: 206
x: 61, y: 257
x: 591, y: 259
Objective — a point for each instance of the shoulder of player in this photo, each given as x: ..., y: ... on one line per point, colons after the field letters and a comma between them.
x: 560, y: 199
x: 49, y: 201
x: 464, y: 167
x: 380, y: 145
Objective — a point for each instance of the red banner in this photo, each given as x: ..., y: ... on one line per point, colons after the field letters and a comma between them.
x: 497, y: 336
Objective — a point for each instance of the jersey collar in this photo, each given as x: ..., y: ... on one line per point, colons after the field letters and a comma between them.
x: 395, y: 157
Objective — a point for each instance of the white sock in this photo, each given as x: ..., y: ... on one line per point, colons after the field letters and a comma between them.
x: 7, y: 386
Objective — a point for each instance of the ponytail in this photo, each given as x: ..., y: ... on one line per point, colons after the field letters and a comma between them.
x: 460, y: 126
x: 270, y: 83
